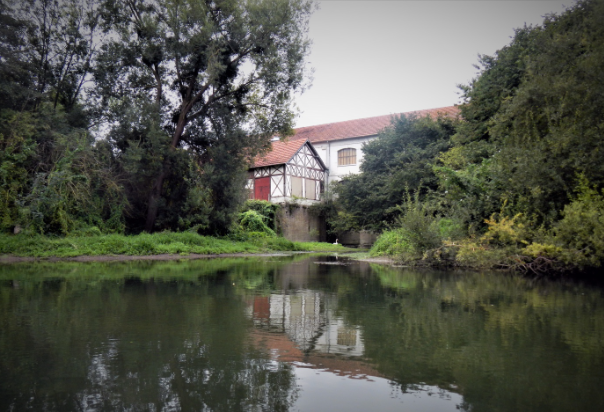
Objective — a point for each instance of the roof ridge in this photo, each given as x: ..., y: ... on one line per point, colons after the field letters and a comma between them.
x: 373, y: 117
x: 364, y: 127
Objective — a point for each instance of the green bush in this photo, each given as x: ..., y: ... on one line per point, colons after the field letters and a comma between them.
x: 267, y: 209
x: 420, y: 224
x: 450, y: 229
x: 252, y: 221
x: 395, y: 243
x: 580, y: 233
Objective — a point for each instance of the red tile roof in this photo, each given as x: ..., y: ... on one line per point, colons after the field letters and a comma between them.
x: 281, y: 152
x: 361, y: 127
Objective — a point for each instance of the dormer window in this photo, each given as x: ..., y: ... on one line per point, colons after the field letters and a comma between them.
x: 347, y: 157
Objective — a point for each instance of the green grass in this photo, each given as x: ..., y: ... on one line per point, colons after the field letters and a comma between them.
x: 321, y: 247
x: 148, y: 244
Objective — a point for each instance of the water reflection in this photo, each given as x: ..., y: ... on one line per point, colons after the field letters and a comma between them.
x: 298, y: 333
x: 303, y: 327
x: 133, y: 344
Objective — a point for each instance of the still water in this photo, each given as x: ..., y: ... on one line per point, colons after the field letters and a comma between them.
x: 294, y: 334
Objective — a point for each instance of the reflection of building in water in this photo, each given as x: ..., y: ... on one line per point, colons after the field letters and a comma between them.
x: 342, y: 339
x: 301, y: 325
x: 308, y: 320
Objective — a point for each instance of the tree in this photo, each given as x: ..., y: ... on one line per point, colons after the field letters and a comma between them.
x: 551, y: 131
x: 52, y: 177
x: 14, y: 76
x: 196, y: 74
x: 532, y: 120
x: 47, y: 48
x: 399, y: 160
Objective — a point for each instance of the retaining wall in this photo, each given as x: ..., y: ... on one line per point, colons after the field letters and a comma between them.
x: 297, y: 224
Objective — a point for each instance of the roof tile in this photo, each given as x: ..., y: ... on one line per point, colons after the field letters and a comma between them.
x: 361, y: 127
x: 281, y: 152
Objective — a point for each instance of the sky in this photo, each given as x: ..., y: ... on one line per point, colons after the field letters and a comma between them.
x: 373, y: 58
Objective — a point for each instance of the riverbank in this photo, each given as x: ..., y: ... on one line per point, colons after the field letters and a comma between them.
x: 157, y: 246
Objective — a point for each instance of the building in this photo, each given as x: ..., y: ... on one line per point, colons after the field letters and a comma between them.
x: 339, y: 144
x: 291, y: 171
x: 298, y: 169
x: 293, y: 166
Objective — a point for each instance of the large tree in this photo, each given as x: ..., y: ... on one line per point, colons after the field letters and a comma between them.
x: 47, y: 52
x: 181, y: 77
x: 533, y: 120
x: 52, y: 177
x: 400, y: 160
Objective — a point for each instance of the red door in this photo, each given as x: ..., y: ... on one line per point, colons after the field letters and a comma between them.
x: 262, y: 188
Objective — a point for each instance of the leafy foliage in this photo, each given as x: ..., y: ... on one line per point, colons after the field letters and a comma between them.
x: 253, y: 221
x: 140, y: 115
x: 533, y: 113
x: 531, y: 124
x: 213, y: 89
x: 400, y: 159
x: 266, y: 209
x: 578, y: 237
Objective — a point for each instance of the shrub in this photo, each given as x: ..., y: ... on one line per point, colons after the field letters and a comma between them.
x: 504, y: 230
x: 267, y: 209
x: 396, y: 243
x: 580, y: 233
x: 420, y: 224
x: 477, y: 254
x: 252, y: 221
x: 450, y: 229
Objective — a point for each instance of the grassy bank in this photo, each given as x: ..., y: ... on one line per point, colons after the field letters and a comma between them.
x: 149, y: 244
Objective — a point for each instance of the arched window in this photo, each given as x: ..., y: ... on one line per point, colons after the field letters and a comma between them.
x: 347, y: 157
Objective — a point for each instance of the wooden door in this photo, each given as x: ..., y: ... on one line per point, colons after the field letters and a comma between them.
x: 262, y: 188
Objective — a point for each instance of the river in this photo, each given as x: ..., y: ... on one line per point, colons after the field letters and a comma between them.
x: 294, y: 333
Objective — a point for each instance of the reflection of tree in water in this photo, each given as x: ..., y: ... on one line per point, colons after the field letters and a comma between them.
x: 503, y: 342
x: 133, y: 345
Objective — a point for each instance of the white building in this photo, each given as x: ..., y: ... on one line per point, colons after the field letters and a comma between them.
x: 339, y: 144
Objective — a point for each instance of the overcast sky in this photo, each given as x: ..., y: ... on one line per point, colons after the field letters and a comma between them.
x: 373, y: 58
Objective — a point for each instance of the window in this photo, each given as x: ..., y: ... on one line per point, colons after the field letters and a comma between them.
x: 250, y: 188
x: 347, y: 157
x: 311, y: 189
x: 297, y: 186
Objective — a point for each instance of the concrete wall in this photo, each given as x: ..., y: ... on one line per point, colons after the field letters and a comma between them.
x: 350, y: 239
x: 297, y: 224
x: 363, y: 239
x: 367, y: 239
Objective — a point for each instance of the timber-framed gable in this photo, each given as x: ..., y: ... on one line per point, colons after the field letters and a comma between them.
x: 292, y: 170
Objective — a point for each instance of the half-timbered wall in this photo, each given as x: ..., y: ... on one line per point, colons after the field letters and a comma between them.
x: 303, y: 166
x: 276, y: 174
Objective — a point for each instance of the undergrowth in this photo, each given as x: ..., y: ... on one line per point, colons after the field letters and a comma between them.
x: 516, y: 242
